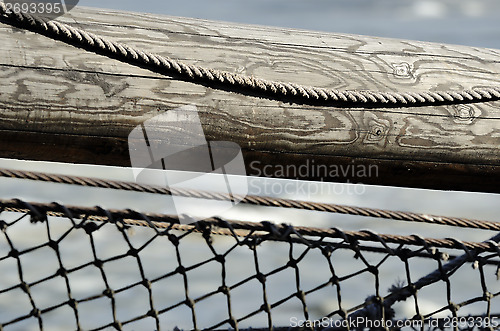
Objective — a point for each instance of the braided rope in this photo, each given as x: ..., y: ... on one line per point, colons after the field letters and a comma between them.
x: 253, y: 200
x: 433, y: 277
x: 230, y: 81
x: 40, y: 211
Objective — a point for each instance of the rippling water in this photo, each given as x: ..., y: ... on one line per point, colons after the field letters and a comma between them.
x: 464, y: 22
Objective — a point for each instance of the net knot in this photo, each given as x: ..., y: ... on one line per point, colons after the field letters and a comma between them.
x: 147, y: 284
x: 376, y: 310
x: 487, y: 295
x: 62, y: 272
x: 404, y: 254
x: 206, y: 229
x: 109, y: 293
x: 266, y: 307
x: 117, y: 325
x: 334, y: 280
x: 233, y: 322
x: 53, y: 244
x: 173, y: 239
x: 282, y: 231
x: 180, y: 270
x: 133, y: 252
x: 252, y: 242
x: 453, y: 307
x: 189, y: 302
x: 152, y: 313
x: 292, y: 263
x: 220, y: 258
x: 24, y: 287
x: 14, y: 253
x: 36, y: 312
x: 373, y: 270
x: 327, y: 251
x: 73, y: 303
x: 261, y: 277
x: 89, y: 227
x: 224, y: 290
x: 98, y: 263
x: 35, y: 215
x: 301, y: 295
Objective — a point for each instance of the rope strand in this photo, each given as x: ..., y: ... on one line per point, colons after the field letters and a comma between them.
x: 244, y: 84
x: 253, y: 200
x: 39, y: 212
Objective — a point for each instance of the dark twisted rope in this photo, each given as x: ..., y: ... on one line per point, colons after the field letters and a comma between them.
x: 231, y: 81
x: 254, y: 200
x: 404, y: 293
x: 40, y: 211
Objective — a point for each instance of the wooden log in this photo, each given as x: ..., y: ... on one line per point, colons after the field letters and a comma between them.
x: 62, y: 103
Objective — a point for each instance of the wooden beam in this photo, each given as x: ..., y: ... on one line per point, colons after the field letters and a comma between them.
x: 61, y: 103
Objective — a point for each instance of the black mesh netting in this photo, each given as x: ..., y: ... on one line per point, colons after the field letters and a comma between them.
x: 100, y: 270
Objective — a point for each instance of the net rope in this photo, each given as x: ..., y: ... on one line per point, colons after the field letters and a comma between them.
x: 252, y: 199
x: 224, y: 242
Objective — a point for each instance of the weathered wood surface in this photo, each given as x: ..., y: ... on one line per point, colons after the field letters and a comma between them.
x: 61, y: 103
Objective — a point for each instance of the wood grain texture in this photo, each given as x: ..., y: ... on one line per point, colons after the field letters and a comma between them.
x: 65, y: 104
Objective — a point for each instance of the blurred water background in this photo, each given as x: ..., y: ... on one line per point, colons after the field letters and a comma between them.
x: 463, y: 22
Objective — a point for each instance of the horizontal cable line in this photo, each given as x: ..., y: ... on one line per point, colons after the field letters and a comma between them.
x: 254, y: 200
x: 40, y: 211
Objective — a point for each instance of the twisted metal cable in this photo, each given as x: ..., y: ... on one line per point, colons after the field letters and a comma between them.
x: 40, y: 211
x: 230, y: 81
x: 254, y: 200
